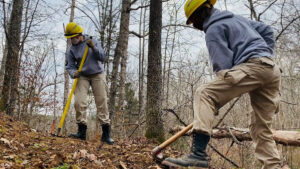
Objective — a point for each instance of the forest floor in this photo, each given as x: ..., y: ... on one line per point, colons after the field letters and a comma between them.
x: 22, y: 147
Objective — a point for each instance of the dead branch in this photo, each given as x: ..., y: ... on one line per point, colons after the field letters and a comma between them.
x: 228, y: 110
x: 223, y: 156
x: 138, y: 35
x: 284, y: 137
x: 176, y: 115
x: 286, y: 27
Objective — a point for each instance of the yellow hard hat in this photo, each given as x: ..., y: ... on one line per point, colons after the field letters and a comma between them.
x: 72, y: 30
x: 191, y: 6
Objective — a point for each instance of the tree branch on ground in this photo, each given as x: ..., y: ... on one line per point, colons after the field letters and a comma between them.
x: 284, y: 137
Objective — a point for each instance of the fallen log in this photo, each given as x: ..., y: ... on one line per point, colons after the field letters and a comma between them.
x: 284, y: 137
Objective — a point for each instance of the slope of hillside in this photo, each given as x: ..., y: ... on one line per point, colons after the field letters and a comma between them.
x: 22, y: 147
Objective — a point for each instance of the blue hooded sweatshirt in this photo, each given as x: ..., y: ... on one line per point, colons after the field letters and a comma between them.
x: 233, y: 39
x: 94, y: 59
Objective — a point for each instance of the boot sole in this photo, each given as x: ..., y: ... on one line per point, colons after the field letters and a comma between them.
x: 175, y: 166
x: 109, y: 143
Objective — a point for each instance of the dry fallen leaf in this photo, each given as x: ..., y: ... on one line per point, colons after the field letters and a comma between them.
x: 91, y: 157
x: 5, y: 141
x: 83, y: 153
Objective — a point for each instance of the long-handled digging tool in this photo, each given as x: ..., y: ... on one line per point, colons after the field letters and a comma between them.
x: 157, y: 151
x: 61, y: 123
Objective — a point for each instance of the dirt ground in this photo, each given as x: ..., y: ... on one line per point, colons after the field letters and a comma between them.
x: 22, y: 147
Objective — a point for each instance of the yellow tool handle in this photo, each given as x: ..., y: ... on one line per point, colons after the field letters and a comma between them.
x: 61, y: 123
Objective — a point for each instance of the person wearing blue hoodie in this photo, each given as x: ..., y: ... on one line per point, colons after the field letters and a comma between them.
x: 91, y: 75
x: 241, y: 52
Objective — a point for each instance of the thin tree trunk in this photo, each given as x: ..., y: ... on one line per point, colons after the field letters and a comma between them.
x: 4, y: 57
x: 108, y: 46
x: 124, y: 34
x: 55, y: 83
x: 120, y: 51
x: 170, y: 61
x: 66, y: 74
x: 141, y: 60
x: 154, y: 124
x: 104, y: 21
x: 27, y: 27
x: 2, y: 71
x: 10, y: 84
x: 165, y: 65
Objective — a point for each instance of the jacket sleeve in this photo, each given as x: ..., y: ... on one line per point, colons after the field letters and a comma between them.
x: 265, y: 31
x: 221, y: 55
x: 70, y: 64
x: 99, y: 52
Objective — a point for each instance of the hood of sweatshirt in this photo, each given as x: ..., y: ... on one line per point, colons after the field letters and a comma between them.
x: 216, y: 16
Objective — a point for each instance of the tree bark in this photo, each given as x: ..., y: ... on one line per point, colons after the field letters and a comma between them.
x: 154, y: 124
x: 66, y: 74
x: 5, y: 48
x: 120, y: 52
x: 142, y: 29
x: 10, y: 83
x: 2, y: 70
x: 123, y: 39
x: 109, y: 39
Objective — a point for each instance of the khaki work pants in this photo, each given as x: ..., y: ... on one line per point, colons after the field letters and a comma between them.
x: 99, y: 88
x: 260, y: 77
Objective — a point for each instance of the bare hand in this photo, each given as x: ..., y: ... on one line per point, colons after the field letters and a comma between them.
x: 90, y: 44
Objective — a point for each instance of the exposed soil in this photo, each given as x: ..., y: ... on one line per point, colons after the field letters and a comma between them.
x: 22, y: 147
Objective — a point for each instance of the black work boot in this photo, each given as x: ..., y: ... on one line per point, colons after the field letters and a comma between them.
x: 197, y: 157
x: 81, y: 133
x: 106, y: 134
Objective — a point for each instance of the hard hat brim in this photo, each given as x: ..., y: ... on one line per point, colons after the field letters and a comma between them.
x: 71, y: 36
x: 188, y: 22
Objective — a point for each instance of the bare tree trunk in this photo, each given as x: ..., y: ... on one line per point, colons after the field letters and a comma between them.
x: 4, y: 56
x: 66, y: 74
x: 113, y: 81
x: 141, y: 60
x: 104, y: 18
x: 124, y: 34
x: 120, y: 52
x: 165, y: 66
x: 55, y: 83
x: 154, y: 124
x: 26, y: 30
x: 10, y: 84
x: 2, y: 71
x: 170, y: 61
x: 108, y: 46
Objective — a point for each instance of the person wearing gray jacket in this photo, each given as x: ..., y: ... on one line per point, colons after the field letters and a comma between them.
x: 91, y: 75
x: 241, y: 52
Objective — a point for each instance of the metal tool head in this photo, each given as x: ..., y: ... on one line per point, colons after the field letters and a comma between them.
x: 158, y: 156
